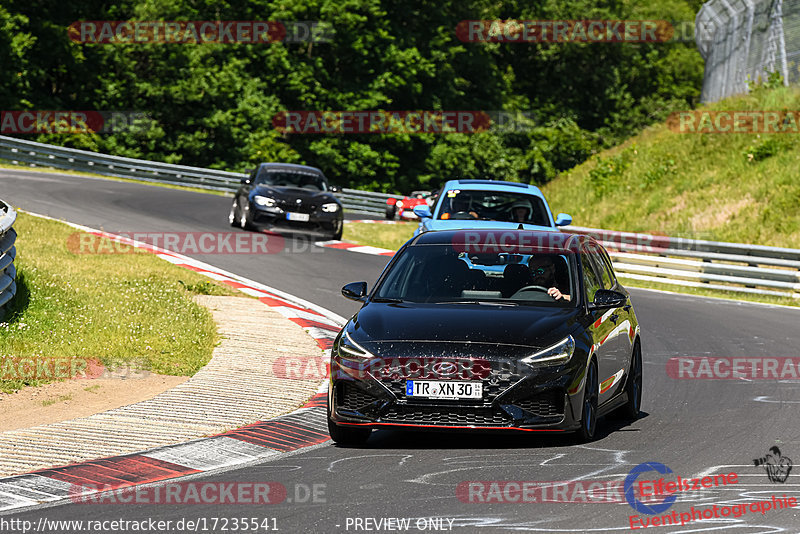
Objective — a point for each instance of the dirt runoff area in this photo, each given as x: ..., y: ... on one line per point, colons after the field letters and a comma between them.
x: 69, y: 399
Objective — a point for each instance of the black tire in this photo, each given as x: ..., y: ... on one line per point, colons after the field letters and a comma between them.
x: 336, y: 229
x: 348, y: 436
x: 233, y: 216
x: 633, y: 387
x: 245, y: 222
x: 588, y: 428
x: 391, y: 211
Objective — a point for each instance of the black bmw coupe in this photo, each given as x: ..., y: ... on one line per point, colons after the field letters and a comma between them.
x: 490, y: 330
x: 287, y: 196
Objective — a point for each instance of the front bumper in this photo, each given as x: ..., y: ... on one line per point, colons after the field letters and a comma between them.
x: 547, y: 400
x: 276, y: 217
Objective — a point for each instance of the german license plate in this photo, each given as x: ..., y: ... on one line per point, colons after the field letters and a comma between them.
x: 444, y: 389
x: 302, y: 217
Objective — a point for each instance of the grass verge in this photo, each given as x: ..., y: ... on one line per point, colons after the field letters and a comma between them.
x: 737, y: 187
x: 131, y: 310
x: 391, y: 236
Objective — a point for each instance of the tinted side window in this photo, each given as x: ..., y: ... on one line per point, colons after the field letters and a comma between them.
x: 599, y: 259
x: 590, y: 279
x: 609, y: 270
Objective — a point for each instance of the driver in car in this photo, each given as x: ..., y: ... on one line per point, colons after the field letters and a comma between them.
x: 460, y: 204
x: 521, y: 211
x: 543, y: 271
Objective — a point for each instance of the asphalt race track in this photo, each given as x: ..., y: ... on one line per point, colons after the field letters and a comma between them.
x: 696, y: 427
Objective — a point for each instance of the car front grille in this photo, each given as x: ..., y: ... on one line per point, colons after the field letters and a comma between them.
x: 545, y: 404
x: 502, y: 376
x: 445, y: 416
x: 353, y: 398
x: 294, y: 207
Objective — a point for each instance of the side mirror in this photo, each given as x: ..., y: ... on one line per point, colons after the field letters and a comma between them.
x: 355, y: 291
x: 606, y: 298
x: 423, y: 212
x: 563, y: 219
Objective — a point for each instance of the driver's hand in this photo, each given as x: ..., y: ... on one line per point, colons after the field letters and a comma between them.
x: 555, y: 293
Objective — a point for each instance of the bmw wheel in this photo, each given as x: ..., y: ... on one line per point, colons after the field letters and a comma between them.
x: 588, y: 427
x: 244, y: 217
x: 233, y: 216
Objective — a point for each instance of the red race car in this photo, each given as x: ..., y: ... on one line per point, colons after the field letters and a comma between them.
x: 404, y: 208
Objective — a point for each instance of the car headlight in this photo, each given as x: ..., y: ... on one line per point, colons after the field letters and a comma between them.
x: 266, y: 202
x: 558, y: 354
x: 330, y: 207
x: 349, y: 348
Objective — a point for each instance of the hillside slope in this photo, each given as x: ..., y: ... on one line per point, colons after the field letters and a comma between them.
x: 741, y: 187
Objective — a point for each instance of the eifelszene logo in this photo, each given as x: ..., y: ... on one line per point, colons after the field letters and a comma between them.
x: 630, y: 486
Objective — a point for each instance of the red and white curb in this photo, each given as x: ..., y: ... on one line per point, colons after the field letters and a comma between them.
x: 304, y: 427
x: 352, y: 247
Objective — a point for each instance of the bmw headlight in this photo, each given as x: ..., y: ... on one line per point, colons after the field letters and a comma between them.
x: 266, y: 202
x: 558, y: 354
x: 330, y: 207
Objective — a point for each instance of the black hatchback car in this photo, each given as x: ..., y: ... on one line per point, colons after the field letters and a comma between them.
x: 288, y: 196
x: 487, y: 330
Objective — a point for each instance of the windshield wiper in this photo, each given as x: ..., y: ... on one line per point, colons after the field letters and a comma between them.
x: 481, y: 302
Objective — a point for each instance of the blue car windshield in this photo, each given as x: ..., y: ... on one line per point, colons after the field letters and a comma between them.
x: 458, y: 204
x: 439, y: 273
x: 291, y: 179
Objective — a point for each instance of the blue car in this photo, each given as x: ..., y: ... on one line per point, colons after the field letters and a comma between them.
x: 482, y: 204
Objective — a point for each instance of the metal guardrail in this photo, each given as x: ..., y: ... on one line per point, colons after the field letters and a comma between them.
x: 668, y: 260
x: 736, y: 267
x: 19, y: 151
x: 8, y: 236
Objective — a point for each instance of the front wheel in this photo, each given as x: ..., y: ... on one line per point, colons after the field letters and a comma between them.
x: 348, y: 436
x: 391, y: 210
x: 337, y: 228
x: 233, y: 216
x: 586, y: 432
x: 245, y: 223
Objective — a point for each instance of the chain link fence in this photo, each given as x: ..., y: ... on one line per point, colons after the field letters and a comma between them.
x: 746, y: 40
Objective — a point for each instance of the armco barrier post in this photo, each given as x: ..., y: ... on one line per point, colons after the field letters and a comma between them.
x: 8, y: 236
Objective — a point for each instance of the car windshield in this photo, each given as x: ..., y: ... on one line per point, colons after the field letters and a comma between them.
x: 291, y: 179
x: 494, y: 206
x: 439, y: 273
